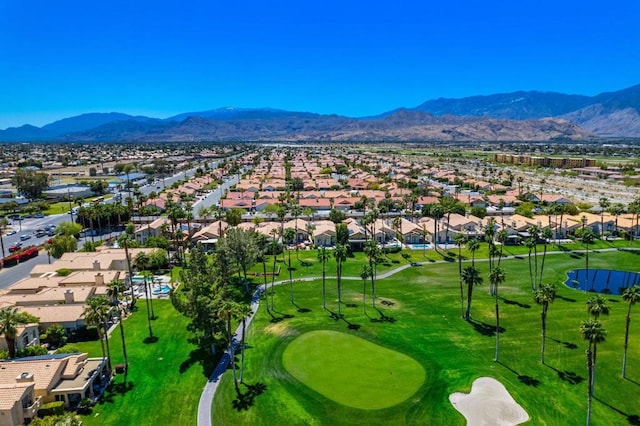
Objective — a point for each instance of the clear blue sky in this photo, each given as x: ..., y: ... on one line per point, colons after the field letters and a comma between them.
x: 356, y: 58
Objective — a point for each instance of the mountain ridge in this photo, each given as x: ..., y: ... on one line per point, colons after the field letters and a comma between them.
x: 521, y: 115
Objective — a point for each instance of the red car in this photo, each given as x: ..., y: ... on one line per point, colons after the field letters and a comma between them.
x: 15, y: 247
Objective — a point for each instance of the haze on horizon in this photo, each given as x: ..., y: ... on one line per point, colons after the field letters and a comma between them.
x: 160, y: 58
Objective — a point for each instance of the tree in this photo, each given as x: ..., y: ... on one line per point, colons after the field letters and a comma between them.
x: 471, y: 277
x: 460, y: 239
x: 604, y: 205
x: 435, y: 212
x: 323, y: 256
x: 142, y: 262
x: 365, y: 273
x: 530, y: 244
x: 547, y: 235
x: 374, y: 255
x: 243, y: 251
x: 30, y: 183
x: 632, y: 296
x: 586, y: 237
x: 340, y: 254
x: 114, y: 289
x: 591, y: 330
x: 534, y: 231
x: 496, y: 277
x: 289, y: 235
x: 62, y: 244
x: 244, y: 311
x: 69, y: 228
x: 337, y: 216
x: 597, y: 305
x: 10, y: 319
x: 473, y: 245
x: 544, y: 296
x: 97, y: 313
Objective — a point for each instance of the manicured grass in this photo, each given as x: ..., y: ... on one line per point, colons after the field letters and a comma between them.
x: 420, y: 318
x: 330, y: 363
x: 165, y: 378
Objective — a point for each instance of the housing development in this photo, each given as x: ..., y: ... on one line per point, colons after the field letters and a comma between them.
x: 265, y: 283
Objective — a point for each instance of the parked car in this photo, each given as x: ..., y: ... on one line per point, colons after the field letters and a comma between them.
x: 15, y: 247
x: 12, y: 232
x: 38, y: 215
x: 24, y: 237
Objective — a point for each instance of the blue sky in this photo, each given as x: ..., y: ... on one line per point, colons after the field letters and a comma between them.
x: 355, y: 58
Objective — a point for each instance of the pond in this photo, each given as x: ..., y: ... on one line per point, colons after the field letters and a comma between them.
x: 606, y: 281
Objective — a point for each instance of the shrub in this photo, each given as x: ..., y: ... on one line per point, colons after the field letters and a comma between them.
x: 68, y: 349
x: 32, y: 351
x: 4, y: 354
x: 391, y: 249
x: 55, y: 408
x: 63, y: 272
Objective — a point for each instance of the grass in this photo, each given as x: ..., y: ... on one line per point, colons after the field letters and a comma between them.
x: 418, y: 315
x: 330, y: 363
x: 165, y: 377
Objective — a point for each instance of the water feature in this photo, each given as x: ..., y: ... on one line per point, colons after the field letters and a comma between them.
x: 605, y: 281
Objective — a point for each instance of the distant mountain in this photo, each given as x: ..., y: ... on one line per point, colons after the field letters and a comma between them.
x: 535, y: 116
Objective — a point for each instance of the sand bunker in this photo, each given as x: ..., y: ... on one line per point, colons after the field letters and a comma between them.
x: 488, y: 404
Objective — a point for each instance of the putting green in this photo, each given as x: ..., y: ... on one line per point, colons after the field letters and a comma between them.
x: 352, y: 371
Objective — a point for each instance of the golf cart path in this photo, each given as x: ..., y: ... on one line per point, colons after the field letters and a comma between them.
x: 206, y: 398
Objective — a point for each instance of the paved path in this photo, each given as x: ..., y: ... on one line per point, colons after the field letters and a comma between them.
x: 206, y: 398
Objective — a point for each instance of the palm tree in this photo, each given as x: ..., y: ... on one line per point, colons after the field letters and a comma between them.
x: 323, y: 256
x: 142, y: 260
x: 374, y: 255
x: 587, y: 237
x: 114, y: 290
x: 544, y: 296
x: 340, y: 254
x: 244, y: 311
x: 288, y: 235
x: 631, y: 295
x: 604, y: 205
x: 496, y: 277
x: 9, y: 321
x: 123, y: 240
x: 365, y: 272
x: 473, y: 245
x: 501, y: 237
x: 489, y: 231
x: 534, y: 231
x: 227, y: 311
x: 460, y: 239
x: 591, y: 330
x: 597, y: 305
x: 530, y: 244
x: 97, y: 313
x: 547, y: 235
x: 471, y: 276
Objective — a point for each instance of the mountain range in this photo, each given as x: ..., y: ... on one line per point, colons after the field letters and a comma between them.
x: 517, y: 116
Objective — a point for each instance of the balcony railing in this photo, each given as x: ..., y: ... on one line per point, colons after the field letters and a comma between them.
x: 32, y: 410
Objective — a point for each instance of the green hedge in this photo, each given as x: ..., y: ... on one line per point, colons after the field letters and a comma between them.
x: 55, y: 408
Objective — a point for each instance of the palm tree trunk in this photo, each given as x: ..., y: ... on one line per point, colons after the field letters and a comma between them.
x: 324, y: 288
x: 544, y: 331
x: 146, y: 294
x: 244, y: 329
x: 469, y: 295
x: 339, y: 289
x: 264, y: 275
x: 106, y: 340
x: 531, y: 271
x: 100, y: 337
x: 232, y: 355
x: 535, y: 260
x: 626, y: 342
x: 273, y: 278
x: 124, y: 346
x: 460, y: 280
x: 590, y: 392
x: 544, y: 255
x: 373, y: 282
x: 364, y: 296
x: 290, y: 279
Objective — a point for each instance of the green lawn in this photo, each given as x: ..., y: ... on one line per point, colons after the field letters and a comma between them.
x: 418, y: 315
x: 330, y: 363
x: 165, y: 378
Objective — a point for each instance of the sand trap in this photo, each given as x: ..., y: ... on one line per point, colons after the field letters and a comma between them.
x: 489, y: 403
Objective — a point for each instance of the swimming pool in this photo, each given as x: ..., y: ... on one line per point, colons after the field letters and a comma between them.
x: 162, y: 289
x: 606, y: 281
x: 139, y: 279
x: 419, y: 246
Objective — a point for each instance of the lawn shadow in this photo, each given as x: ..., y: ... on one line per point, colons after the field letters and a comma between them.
x: 566, y: 299
x: 568, y: 345
x: 150, y: 339
x: 383, y: 317
x: 524, y: 379
x: 514, y: 302
x: 632, y: 419
x: 305, y: 264
x: 246, y: 400
x: 201, y: 355
x: 114, y: 389
x: 632, y: 381
x: 568, y: 376
x: 484, y: 328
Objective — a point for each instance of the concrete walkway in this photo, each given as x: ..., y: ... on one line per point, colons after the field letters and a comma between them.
x: 206, y: 398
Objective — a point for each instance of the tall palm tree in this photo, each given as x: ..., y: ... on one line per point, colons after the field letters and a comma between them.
x: 632, y: 296
x: 365, y: 272
x: 534, y: 231
x: 228, y: 310
x: 530, y: 244
x: 460, y: 239
x: 497, y: 277
x: 142, y: 261
x: 97, y: 313
x: 288, y: 235
x: 473, y: 245
x: 587, y: 237
x: 114, y: 290
x: 501, y: 237
x: 340, y: 254
x: 323, y: 256
x: 597, y: 305
x: 9, y: 321
x: 544, y: 296
x: 591, y: 330
x: 604, y: 204
x: 471, y: 276
x: 374, y: 255
x: 123, y: 240
x: 244, y: 311
x: 547, y: 235
x: 489, y: 231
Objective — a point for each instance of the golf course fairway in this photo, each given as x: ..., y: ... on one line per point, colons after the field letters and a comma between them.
x: 352, y: 371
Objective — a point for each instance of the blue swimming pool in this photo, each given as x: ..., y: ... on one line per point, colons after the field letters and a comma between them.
x: 606, y: 281
x: 419, y: 246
